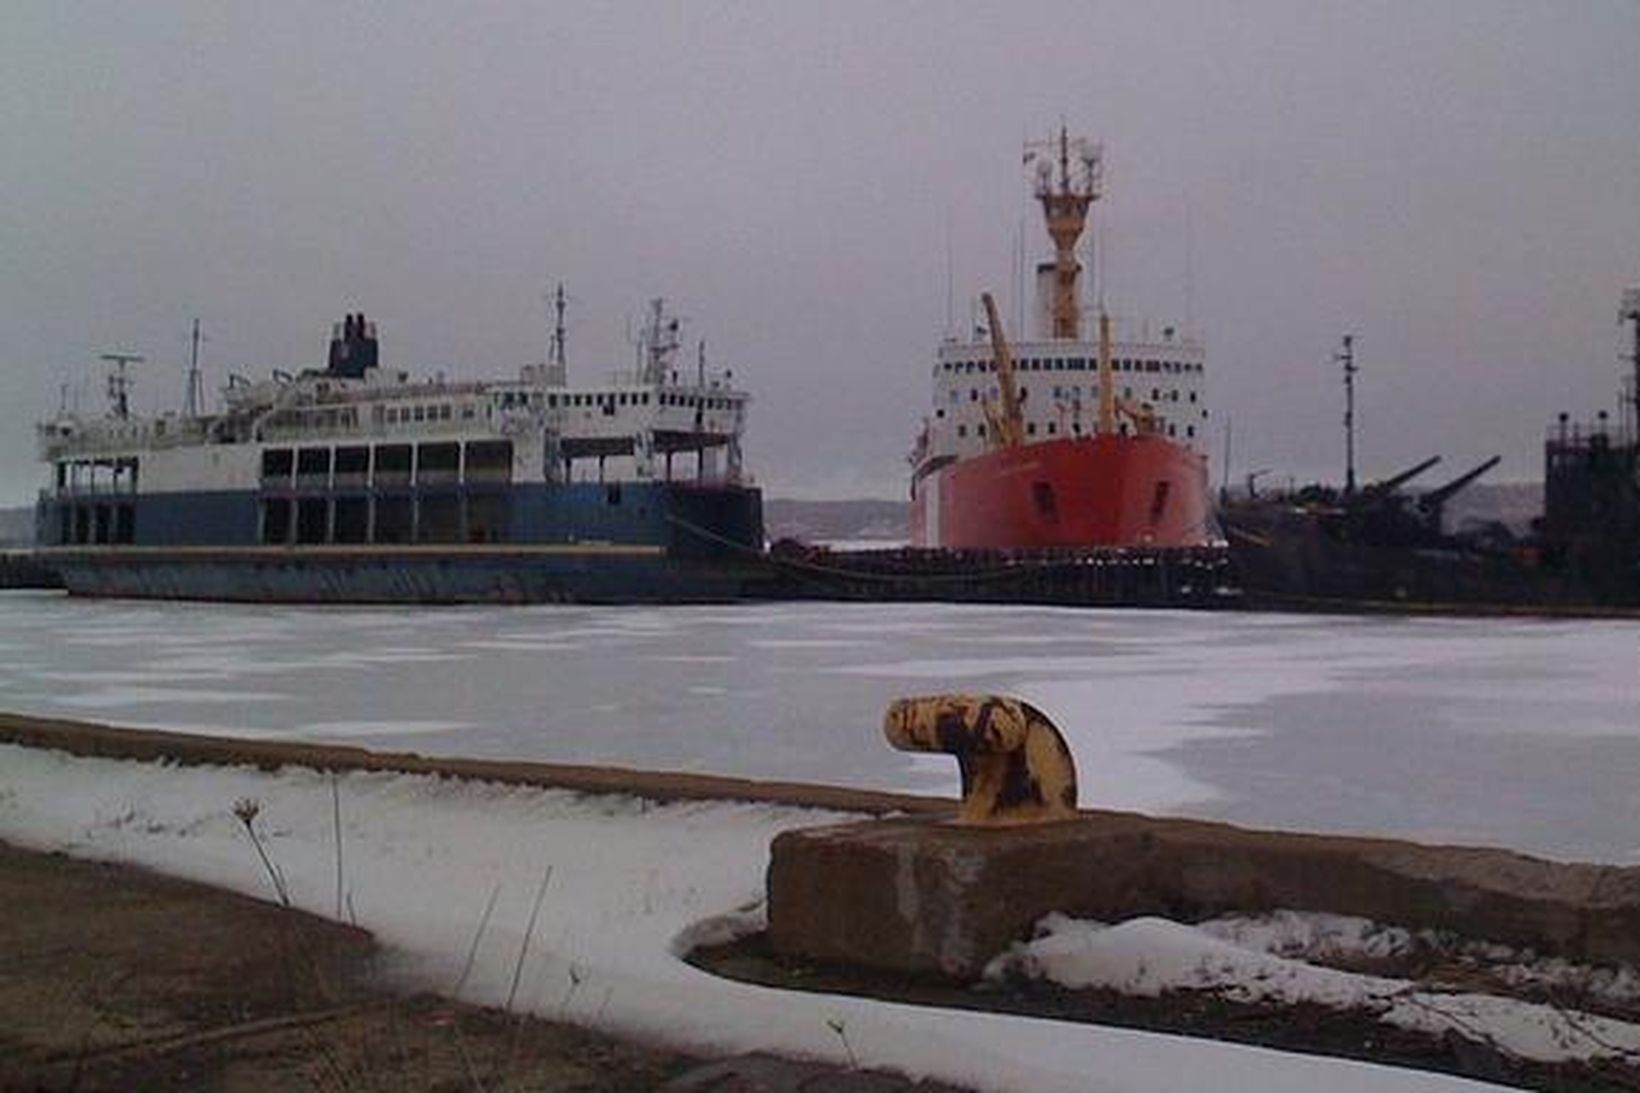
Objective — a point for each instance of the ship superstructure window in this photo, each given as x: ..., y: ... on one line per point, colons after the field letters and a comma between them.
x: 313, y: 467
x: 489, y: 461
x: 352, y: 467
x: 278, y: 464
x: 393, y: 465
x: 437, y: 463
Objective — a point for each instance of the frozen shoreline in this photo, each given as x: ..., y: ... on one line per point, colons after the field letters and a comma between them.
x: 625, y: 879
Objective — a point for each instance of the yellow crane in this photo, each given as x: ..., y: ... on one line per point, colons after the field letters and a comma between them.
x: 1007, y: 422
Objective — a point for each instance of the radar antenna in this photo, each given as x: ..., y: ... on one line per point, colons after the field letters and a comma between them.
x: 1069, y: 178
x: 119, y: 384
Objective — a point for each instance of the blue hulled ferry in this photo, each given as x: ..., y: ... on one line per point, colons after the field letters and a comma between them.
x: 358, y: 483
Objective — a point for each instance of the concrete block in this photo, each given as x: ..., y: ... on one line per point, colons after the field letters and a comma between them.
x: 920, y: 895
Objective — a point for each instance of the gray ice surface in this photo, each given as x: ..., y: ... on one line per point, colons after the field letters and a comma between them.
x: 1515, y: 733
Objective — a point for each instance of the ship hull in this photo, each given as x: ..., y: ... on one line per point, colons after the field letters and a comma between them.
x: 583, y: 543
x: 1072, y: 492
x: 443, y: 575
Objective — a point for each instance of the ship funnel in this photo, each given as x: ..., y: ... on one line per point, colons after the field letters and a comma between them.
x: 353, y: 347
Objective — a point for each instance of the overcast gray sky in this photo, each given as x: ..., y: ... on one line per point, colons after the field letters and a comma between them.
x: 1458, y: 183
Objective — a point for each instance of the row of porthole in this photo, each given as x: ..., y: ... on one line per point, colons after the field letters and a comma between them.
x: 1076, y: 429
x: 1074, y: 393
x: 1074, y: 364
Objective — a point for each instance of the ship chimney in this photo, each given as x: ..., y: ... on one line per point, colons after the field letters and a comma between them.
x: 353, y: 347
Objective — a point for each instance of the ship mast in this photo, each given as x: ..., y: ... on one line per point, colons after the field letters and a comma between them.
x: 556, y: 355
x: 1346, y: 357
x: 193, y: 403
x: 1630, y: 313
x: 1066, y: 194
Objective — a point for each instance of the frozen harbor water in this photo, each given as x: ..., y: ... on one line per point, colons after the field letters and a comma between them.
x: 1518, y: 733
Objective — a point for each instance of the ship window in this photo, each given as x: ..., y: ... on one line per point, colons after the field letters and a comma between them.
x: 444, y: 412
x: 395, y: 520
x: 1190, y: 431
x: 437, y: 462
x: 466, y: 411
x: 552, y: 402
x: 351, y: 521
x: 979, y: 430
x: 489, y: 461
x: 312, y: 466
x: 1052, y: 428
x: 440, y: 519
x: 277, y: 464
x: 1030, y: 428
x: 312, y: 520
x: 393, y: 465
x: 1192, y: 396
x: 940, y: 412
x: 488, y: 516
x: 962, y: 430
x: 1047, y: 506
x: 352, y: 466
x: 1158, y: 500
x: 419, y: 413
x: 973, y: 394
x: 276, y: 521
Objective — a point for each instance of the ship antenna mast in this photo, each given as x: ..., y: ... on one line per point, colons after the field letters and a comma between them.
x: 557, y: 354
x: 119, y: 384
x: 1069, y: 179
x: 1346, y: 357
x: 191, y: 404
x: 1631, y: 314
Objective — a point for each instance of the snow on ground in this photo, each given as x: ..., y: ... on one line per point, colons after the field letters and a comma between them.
x: 446, y: 872
x: 1152, y: 956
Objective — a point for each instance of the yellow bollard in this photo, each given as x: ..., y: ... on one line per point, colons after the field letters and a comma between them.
x: 1015, y: 766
